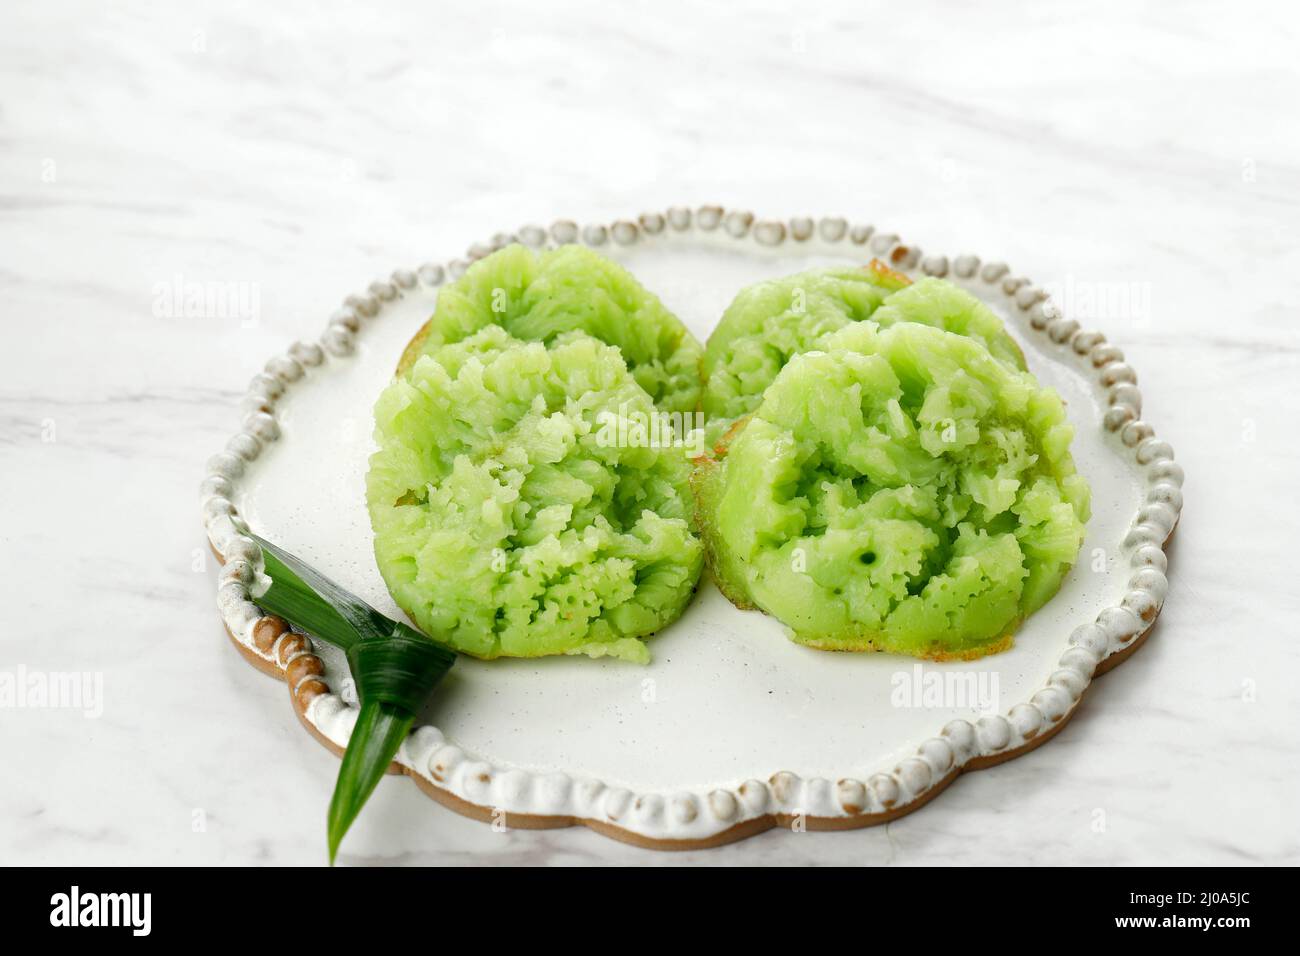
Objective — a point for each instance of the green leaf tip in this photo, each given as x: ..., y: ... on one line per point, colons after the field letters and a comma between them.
x: 394, y: 666
x: 376, y: 738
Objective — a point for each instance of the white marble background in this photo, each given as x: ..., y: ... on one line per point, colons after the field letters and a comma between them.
x: 306, y: 150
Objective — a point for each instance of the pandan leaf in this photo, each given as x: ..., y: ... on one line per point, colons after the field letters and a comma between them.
x: 394, y: 667
x: 364, y: 620
x: 379, y: 732
x: 399, y: 669
x: 394, y: 675
x: 290, y: 598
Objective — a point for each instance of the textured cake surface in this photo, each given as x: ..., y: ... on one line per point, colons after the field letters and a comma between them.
x: 538, y: 296
x: 506, y: 523
x: 770, y: 322
x: 901, y: 490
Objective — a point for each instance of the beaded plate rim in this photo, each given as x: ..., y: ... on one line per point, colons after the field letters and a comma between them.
x: 695, y: 820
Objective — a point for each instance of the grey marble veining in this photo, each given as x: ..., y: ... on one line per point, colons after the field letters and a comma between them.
x: 293, y: 155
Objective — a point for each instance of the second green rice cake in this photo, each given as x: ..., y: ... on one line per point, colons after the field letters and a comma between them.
x: 770, y: 322
x: 506, y: 521
x: 536, y: 296
x: 901, y: 490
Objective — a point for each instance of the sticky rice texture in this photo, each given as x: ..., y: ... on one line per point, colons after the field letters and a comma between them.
x: 507, y: 522
x: 538, y: 296
x: 770, y: 322
x: 900, y: 491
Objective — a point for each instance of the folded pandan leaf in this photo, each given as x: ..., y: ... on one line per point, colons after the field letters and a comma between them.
x: 394, y: 667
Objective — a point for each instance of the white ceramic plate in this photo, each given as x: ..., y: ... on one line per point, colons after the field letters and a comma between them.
x: 732, y: 728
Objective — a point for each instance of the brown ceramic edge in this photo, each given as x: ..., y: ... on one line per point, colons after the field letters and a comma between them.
x: 734, y: 834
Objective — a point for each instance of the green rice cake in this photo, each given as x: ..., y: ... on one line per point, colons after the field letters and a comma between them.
x: 537, y: 296
x: 901, y: 490
x: 506, y: 523
x: 770, y: 322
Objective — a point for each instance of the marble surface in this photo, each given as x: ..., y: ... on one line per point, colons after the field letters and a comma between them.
x: 1144, y: 163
